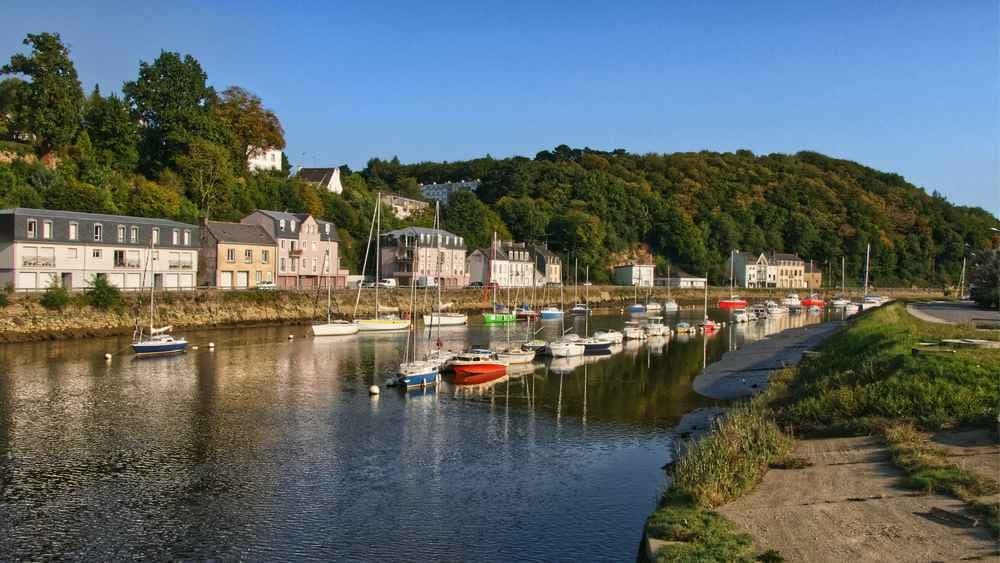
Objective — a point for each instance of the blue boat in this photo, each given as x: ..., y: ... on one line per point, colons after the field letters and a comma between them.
x: 595, y: 346
x: 417, y: 374
x: 636, y: 308
x: 550, y: 314
x: 159, y: 344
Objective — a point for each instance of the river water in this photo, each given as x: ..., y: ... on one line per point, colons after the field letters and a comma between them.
x: 269, y: 448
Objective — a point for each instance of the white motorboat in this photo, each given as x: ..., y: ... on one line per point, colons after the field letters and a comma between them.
x: 566, y: 349
x: 516, y: 356
x: 670, y: 306
x: 775, y: 310
x: 655, y: 327
x: 740, y: 316
x: 792, y: 301
x: 613, y: 336
x: 445, y: 319
x: 653, y: 307
x: 840, y: 302
x: 633, y: 331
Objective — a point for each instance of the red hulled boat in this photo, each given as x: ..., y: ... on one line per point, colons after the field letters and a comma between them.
x: 477, y: 367
x: 732, y: 303
x: 813, y: 301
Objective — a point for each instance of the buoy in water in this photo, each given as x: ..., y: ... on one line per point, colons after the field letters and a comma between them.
x: 107, y: 356
x: 373, y: 390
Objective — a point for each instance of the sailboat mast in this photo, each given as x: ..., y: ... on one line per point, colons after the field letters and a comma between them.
x: 437, y: 266
x: 586, y: 315
x: 152, y: 286
x: 705, y: 310
x: 378, y: 247
x: 668, y: 281
x: 868, y: 255
x: 329, y: 255
x: 843, y: 281
x: 732, y: 273
x: 364, y: 265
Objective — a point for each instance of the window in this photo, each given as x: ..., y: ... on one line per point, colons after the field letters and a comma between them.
x: 71, y: 253
x: 327, y: 228
x: 269, y: 277
x: 295, y: 264
x: 282, y: 244
x: 98, y: 232
x: 134, y: 234
x: 156, y: 255
x: 156, y: 235
x: 32, y: 228
x: 281, y: 224
x: 187, y: 237
x: 292, y: 223
x: 175, y: 237
x: 119, y: 259
x: 174, y: 260
x: 265, y: 255
x: 96, y: 253
x: 73, y: 230
x: 29, y: 256
x: 121, y: 233
x: 314, y: 245
x: 46, y: 229
x: 257, y: 277
x: 314, y: 265
x: 282, y: 264
x: 248, y: 256
x: 231, y: 255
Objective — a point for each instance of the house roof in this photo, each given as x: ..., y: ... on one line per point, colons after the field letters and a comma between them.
x: 99, y: 217
x: 316, y: 175
x: 634, y: 266
x: 333, y: 236
x: 785, y: 256
x: 239, y: 232
x: 812, y: 268
x: 488, y: 252
x: 544, y: 251
x: 679, y: 273
x: 411, y: 231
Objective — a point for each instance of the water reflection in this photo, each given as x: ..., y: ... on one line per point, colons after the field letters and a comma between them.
x: 271, y: 448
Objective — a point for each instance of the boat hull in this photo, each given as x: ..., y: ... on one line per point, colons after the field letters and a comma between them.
x: 551, y: 315
x: 636, y: 308
x: 732, y: 304
x: 334, y: 329
x: 525, y: 315
x: 480, y: 372
x: 516, y: 357
x: 445, y: 320
x: 499, y: 318
x: 422, y: 379
x: 565, y: 349
x: 382, y: 325
x: 159, y: 349
x: 600, y: 347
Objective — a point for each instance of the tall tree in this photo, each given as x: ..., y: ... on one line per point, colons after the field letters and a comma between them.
x: 253, y: 127
x: 50, y: 105
x: 113, y: 133
x: 207, y: 173
x: 171, y: 100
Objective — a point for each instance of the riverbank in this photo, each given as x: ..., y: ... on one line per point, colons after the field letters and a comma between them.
x: 746, y: 489
x: 25, y: 319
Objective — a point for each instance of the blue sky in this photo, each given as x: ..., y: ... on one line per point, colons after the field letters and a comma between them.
x: 909, y: 87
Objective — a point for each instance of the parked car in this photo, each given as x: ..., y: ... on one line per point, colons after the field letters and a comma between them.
x: 387, y: 282
x: 476, y: 284
x: 267, y: 285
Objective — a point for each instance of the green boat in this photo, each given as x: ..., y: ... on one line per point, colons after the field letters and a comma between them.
x: 499, y: 318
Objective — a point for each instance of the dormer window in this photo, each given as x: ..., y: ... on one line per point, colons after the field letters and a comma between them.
x: 292, y: 223
x: 281, y: 224
x: 134, y: 234
x: 327, y: 228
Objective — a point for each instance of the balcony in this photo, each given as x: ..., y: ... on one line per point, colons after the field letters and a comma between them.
x: 127, y: 264
x: 295, y: 252
x: 179, y: 265
x: 38, y: 262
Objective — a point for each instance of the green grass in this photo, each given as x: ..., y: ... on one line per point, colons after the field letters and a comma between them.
x: 865, y: 380
x: 866, y: 375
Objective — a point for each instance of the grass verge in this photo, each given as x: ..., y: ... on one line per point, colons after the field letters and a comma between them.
x: 865, y: 380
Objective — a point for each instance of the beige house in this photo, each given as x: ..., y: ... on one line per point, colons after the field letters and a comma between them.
x: 402, y: 207
x: 776, y: 270
x: 235, y: 256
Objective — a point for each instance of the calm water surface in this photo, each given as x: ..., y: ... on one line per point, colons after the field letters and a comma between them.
x: 272, y: 449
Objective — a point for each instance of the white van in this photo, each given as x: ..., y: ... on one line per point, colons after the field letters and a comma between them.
x: 387, y: 282
x: 426, y: 281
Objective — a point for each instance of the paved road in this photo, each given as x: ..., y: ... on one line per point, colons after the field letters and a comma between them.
x: 951, y: 312
x: 744, y: 372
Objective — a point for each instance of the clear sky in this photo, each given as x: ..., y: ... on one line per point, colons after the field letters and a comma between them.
x: 909, y: 86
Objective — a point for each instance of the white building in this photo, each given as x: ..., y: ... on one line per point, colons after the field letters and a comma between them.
x: 39, y: 247
x: 264, y: 159
x: 776, y: 270
x: 442, y: 191
x: 682, y: 280
x: 507, y: 264
x: 324, y: 178
x: 635, y: 274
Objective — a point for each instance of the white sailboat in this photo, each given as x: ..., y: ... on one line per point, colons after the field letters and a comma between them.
x: 438, y: 317
x: 378, y: 323
x: 842, y: 300
x: 669, y: 306
x: 332, y: 327
x: 158, y: 341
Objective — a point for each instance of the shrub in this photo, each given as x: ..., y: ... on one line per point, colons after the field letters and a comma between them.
x: 102, y: 295
x: 4, y: 300
x: 56, y: 297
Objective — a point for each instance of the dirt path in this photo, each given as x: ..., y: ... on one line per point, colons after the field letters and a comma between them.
x: 850, y: 506
x: 951, y: 312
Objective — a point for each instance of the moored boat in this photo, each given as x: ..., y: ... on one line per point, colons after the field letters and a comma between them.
x: 733, y: 302
x: 655, y: 327
x: 385, y: 323
x: 580, y: 310
x: 792, y: 301
x: 813, y: 300
x: 551, y: 313
x: 524, y: 313
x: 417, y: 374
x: 740, y: 316
x: 613, y: 336
x: 565, y: 349
x: 445, y: 319
x: 158, y: 343
x: 636, y: 308
x: 633, y: 331
x: 477, y: 366
x: 595, y: 346
x: 516, y: 356
x: 685, y: 327
x: 670, y: 306
x: 335, y: 328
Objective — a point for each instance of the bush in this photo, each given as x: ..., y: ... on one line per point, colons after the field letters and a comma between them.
x: 4, y: 300
x: 102, y: 295
x: 56, y: 297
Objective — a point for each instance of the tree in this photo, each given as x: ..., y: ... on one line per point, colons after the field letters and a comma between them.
x: 206, y: 171
x: 469, y: 218
x: 171, y: 99
x: 56, y: 297
x: 102, y: 295
x: 113, y: 132
x: 50, y: 105
x: 985, y: 279
x: 252, y: 126
x: 9, y: 88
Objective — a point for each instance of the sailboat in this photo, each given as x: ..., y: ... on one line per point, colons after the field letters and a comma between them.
x: 439, y: 318
x: 707, y: 325
x: 159, y: 341
x: 670, y: 305
x: 578, y: 309
x: 636, y: 308
x: 842, y: 300
x: 499, y: 314
x: 378, y: 323
x: 733, y: 301
x: 414, y: 373
x: 332, y: 327
x: 564, y: 347
x: 592, y: 344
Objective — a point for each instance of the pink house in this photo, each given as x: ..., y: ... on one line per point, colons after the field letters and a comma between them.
x: 308, y: 248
